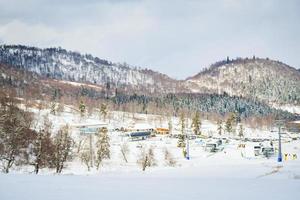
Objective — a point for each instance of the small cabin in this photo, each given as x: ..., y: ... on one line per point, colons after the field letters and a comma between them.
x: 162, y: 131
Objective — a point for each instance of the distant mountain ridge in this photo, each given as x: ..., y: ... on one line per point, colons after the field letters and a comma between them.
x: 61, y: 64
x: 254, y: 78
x: 30, y: 86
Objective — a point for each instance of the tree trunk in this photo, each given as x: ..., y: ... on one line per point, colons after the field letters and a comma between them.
x: 124, y: 156
x: 145, y: 163
x: 36, y: 168
x: 8, y: 166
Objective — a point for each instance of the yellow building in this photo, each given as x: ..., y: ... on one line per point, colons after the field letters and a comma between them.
x: 162, y: 131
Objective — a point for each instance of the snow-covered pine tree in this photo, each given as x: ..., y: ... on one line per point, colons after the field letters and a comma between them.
x: 82, y: 108
x: 170, y: 126
x: 53, y: 108
x: 102, y: 146
x: 235, y: 118
x: 230, y: 123
x: 103, y: 111
x: 228, y: 126
x: 241, y: 131
x: 181, y: 137
x: 196, y: 123
x: 220, y: 128
x: 60, y: 108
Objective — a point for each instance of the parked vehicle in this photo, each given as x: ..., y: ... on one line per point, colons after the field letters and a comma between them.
x: 267, y: 151
x: 257, y: 150
x: 211, y: 147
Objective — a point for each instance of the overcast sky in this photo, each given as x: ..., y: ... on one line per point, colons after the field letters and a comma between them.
x: 176, y: 37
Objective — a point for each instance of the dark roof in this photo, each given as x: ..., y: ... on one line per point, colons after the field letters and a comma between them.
x: 140, y: 134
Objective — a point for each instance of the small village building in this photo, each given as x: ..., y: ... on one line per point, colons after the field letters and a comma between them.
x: 139, y: 127
x: 89, y: 128
x: 141, y: 135
x: 162, y: 131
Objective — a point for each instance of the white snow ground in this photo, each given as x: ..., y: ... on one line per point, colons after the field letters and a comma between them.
x: 235, y: 182
x: 223, y: 175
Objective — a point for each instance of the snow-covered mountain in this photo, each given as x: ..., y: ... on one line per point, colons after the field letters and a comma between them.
x: 66, y: 65
x: 256, y: 78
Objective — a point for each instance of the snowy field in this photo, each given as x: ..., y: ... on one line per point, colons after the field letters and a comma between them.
x: 233, y: 173
x: 214, y: 180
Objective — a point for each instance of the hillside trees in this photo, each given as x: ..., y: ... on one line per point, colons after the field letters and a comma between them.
x: 15, y: 133
x: 210, y: 104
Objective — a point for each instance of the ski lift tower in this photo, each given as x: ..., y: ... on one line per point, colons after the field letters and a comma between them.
x: 279, y: 124
x: 188, y: 144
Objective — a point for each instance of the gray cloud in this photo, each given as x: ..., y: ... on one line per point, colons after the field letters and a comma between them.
x: 177, y: 37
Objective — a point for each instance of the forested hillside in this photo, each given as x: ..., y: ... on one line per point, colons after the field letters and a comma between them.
x: 58, y: 63
x: 256, y: 78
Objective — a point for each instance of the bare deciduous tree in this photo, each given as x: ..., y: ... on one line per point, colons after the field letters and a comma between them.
x: 124, y: 151
x: 15, y: 133
x: 42, y: 150
x: 146, y: 158
x: 86, y: 157
x: 63, y: 148
x: 170, y: 161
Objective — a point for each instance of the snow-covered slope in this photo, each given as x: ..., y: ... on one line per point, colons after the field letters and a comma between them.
x: 256, y: 78
x: 60, y: 64
x: 260, y: 79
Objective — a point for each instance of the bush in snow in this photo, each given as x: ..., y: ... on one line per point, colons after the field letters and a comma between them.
x: 146, y: 158
x: 103, y: 147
